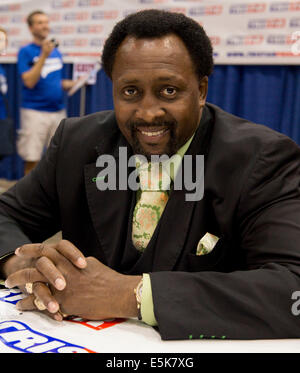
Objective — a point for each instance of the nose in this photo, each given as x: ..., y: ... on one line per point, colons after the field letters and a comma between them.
x: 149, y: 109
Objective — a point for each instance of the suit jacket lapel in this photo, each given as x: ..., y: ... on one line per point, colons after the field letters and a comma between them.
x: 109, y: 209
x: 176, y: 219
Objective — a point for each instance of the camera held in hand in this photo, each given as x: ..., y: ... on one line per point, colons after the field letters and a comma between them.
x: 55, y: 42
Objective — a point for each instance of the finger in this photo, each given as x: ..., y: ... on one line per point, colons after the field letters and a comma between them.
x: 71, y: 252
x: 49, y: 271
x: 64, y: 247
x: 36, y: 251
x: 43, y: 293
x: 20, y: 278
x: 27, y: 304
x: 32, y: 250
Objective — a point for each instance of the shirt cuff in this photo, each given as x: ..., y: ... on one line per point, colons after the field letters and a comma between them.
x: 147, y: 310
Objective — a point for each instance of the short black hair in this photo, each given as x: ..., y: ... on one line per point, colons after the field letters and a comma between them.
x: 153, y: 23
x: 31, y: 16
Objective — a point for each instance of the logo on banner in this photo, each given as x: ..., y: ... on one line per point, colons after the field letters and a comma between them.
x: 62, y: 4
x: 265, y: 23
x: 75, y: 42
x: 247, y: 8
x: 97, y: 43
x: 280, y: 39
x: 212, y: 10
x: 76, y: 16
x: 245, y: 40
x: 90, y: 2
x: 295, y: 22
x: 54, y: 17
x: 10, y: 8
x: 63, y: 30
x: 21, y: 337
x: 105, y: 14
x: 90, y: 29
x: 292, y: 6
x: 17, y: 19
x: 153, y: 1
x: 175, y: 10
x: 215, y: 40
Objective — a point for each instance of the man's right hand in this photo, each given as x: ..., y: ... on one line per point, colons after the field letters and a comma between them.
x: 47, y: 48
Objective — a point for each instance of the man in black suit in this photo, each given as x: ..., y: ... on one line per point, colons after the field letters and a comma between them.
x: 222, y: 266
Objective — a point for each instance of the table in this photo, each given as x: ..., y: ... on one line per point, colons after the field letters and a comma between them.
x: 34, y: 332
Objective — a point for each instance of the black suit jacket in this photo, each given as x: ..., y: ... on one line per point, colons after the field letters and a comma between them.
x: 243, y: 288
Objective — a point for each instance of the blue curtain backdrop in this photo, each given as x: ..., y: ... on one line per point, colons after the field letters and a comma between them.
x: 268, y: 95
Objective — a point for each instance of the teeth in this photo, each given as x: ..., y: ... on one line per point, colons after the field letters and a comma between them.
x: 153, y: 133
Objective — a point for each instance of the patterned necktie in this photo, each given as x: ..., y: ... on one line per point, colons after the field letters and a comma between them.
x: 151, y: 201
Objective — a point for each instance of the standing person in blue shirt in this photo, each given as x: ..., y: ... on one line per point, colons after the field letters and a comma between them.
x: 40, y: 65
x: 3, y: 83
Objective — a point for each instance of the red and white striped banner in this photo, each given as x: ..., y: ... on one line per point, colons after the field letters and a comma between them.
x: 242, y: 32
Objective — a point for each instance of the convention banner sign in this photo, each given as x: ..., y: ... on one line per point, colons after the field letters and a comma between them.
x: 242, y: 32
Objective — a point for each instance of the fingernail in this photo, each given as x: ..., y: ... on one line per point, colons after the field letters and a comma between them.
x: 60, y: 284
x: 6, y: 284
x: 17, y: 251
x: 81, y: 262
x: 58, y: 317
x: 52, y: 307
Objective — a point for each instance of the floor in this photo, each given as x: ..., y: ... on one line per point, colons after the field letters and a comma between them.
x: 6, y: 184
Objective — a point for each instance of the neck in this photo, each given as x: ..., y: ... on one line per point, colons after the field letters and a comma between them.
x: 37, y: 40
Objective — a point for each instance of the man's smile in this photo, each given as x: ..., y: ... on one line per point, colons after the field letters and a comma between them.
x: 152, y: 134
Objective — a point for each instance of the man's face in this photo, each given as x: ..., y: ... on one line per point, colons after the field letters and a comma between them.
x: 158, y: 98
x: 40, y: 26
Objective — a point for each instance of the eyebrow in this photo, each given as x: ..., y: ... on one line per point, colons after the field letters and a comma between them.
x: 160, y: 79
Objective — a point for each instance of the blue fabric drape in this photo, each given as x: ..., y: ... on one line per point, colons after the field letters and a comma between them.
x: 268, y: 95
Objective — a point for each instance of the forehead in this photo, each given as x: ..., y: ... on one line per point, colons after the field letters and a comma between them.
x: 139, y: 56
x: 39, y: 18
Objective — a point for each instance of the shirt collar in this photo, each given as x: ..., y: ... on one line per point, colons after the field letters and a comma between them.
x: 175, y: 159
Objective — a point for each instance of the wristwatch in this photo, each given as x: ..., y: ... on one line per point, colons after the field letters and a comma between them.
x: 138, y: 295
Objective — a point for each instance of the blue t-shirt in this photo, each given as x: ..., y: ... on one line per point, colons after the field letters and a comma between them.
x: 47, y: 95
x: 3, y: 89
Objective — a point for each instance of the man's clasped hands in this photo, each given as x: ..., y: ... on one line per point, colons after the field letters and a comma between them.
x: 58, y: 280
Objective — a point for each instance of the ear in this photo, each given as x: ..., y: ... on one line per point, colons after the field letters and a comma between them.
x: 203, y: 87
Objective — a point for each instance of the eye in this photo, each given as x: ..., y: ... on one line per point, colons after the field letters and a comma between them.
x: 169, y: 91
x: 130, y: 91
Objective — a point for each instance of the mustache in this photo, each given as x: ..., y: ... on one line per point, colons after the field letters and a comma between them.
x: 135, y: 124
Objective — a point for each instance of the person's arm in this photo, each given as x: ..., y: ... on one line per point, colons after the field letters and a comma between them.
x: 32, y: 76
x: 9, y: 229
x: 253, y: 302
x: 67, y: 84
x: 29, y: 210
x: 29, y: 213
